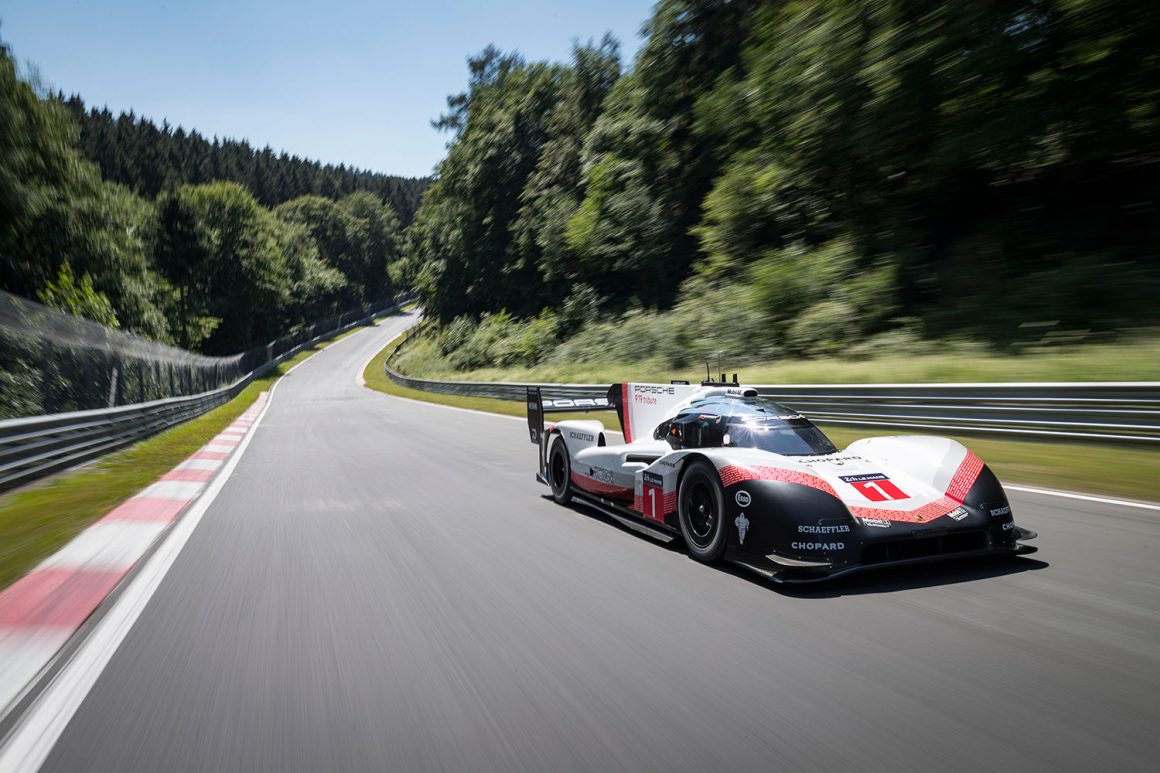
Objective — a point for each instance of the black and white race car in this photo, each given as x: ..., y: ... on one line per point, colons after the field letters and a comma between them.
x: 743, y: 478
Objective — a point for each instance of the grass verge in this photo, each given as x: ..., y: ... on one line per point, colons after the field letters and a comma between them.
x: 36, y: 520
x: 1134, y: 360
x: 1087, y: 467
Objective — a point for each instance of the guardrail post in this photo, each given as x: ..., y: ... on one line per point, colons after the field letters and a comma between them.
x: 113, y: 387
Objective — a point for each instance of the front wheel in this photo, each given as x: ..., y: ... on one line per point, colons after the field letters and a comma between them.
x: 559, y: 471
x: 701, y: 509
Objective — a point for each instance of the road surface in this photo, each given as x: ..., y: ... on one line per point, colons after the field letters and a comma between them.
x: 381, y: 585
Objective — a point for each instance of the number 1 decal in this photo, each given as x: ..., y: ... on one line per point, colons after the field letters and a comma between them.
x: 654, y: 497
x: 876, y: 487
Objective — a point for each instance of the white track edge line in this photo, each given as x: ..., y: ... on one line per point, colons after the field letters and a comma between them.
x: 37, y: 732
x: 1085, y: 497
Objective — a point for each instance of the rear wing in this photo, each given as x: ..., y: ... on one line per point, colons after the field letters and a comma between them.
x: 538, y: 406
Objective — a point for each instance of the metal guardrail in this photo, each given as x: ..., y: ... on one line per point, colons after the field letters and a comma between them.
x: 1122, y: 412
x: 39, y: 445
x: 1116, y: 412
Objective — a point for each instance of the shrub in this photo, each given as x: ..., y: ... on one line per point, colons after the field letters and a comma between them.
x: 824, y: 328
x: 455, y: 334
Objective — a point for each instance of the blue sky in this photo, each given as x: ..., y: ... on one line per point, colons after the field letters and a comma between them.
x: 351, y: 81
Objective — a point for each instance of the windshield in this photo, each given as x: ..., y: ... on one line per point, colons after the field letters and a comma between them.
x: 796, y: 437
x: 750, y: 423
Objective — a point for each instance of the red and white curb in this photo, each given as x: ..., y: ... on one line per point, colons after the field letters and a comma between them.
x: 39, y: 612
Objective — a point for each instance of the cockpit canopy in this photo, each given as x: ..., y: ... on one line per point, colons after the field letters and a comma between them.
x: 743, y: 422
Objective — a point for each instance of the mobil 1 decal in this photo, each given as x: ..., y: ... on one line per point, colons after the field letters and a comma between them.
x: 876, y: 487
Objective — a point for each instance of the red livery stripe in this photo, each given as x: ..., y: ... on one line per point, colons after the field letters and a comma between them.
x: 626, y: 405
x: 600, y: 487
x: 964, y: 477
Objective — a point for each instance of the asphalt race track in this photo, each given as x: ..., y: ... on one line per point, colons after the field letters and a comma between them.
x: 382, y: 585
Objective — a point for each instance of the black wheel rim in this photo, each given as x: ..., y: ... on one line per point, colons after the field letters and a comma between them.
x: 558, y: 470
x: 701, y: 511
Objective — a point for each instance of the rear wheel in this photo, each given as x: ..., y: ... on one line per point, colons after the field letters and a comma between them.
x: 701, y: 509
x: 559, y: 471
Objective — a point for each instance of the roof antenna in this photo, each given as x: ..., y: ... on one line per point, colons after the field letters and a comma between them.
x: 708, y: 378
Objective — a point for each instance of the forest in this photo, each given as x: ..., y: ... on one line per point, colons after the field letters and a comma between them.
x: 789, y: 179
x: 766, y: 179
x: 149, y: 159
x: 214, y: 247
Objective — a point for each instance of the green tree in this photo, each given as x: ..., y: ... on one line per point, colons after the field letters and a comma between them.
x: 78, y: 298
x: 375, y: 240
x: 223, y: 250
x: 462, y: 242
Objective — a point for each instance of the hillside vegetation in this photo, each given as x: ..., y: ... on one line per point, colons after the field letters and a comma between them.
x: 148, y: 159
x: 783, y: 180
x: 588, y: 360
x: 174, y: 242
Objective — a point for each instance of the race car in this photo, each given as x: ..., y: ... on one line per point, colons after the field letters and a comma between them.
x: 742, y: 478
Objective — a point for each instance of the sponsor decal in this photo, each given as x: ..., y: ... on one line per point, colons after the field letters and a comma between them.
x: 585, y: 436
x: 653, y: 389
x: 742, y: 528
x: 580, y: 402
x: 665, y: 463
x: 653, y: 496
x: 878, y: 523
x: 535, y: 435
x: 641, y: 393
x: 958, y: 514
x: 830, y: 460
x: 806, y: 529
x: 875, y: 486
x: 998, y: 511
x: 863, y: 477
x: 600, y: 474
x: 742, y: 498
x: 823, y: 546
x: 1009, y: 526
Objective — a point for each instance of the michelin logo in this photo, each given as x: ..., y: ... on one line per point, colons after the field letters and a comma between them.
x: 742, y: 528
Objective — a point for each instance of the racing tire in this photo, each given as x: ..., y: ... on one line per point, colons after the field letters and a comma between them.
x: 559, y: 471
x: 701, y: 510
